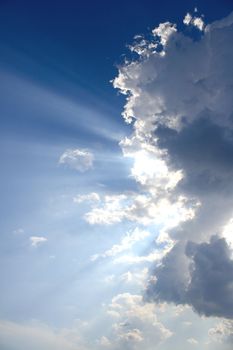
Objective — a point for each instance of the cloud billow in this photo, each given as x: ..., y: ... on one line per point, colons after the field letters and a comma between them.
x: 179, y: 99
x: 207, y: 286
x: 211, y: 286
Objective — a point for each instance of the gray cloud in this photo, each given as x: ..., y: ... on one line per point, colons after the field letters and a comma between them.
x: 210, y: 290
x: 180, y: 99
x: 207, y: 285
x: 170, y: 284
x: 204, y: 150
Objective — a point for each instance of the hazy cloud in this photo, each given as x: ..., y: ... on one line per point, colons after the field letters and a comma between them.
x: 78, y: 159
x: 127, y: 242
x: 37, y: 240
x: 37, y: 336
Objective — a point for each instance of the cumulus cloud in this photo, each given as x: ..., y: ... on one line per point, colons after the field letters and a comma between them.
x: 164, y: 32
x: 78, y: 159
x: 108, y: 211
x: 136, y: 323
x: 179, y: 100
x: 210, y: 289
x: 37, y: 240
x: 222, y: 332
x: 208, y: 284
x: 144, y: 209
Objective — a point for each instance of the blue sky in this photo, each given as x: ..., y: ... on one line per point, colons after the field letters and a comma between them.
x: 116, y: 178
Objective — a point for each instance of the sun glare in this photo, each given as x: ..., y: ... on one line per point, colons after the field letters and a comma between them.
x: 147, y: 167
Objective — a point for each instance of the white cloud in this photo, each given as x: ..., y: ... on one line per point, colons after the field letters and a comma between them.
x: 109, y: 212
x: 227, y: 233
x: 222, y: 332
x: 126, y: 243
x: 199, y: 23
x: 152, y: 257
x: 187, y: 19
x: 131, y: 336
x: 37, y: 240
x: 78, y: 159
x: 137, y: 325
x: 145, y: 209
x: 164, y: 31
x: 104, y: 341
x: 136, y: 277
x: 192, y: 341
x: 195, y: 21
x: 89, y: 197
x: 179, y: 100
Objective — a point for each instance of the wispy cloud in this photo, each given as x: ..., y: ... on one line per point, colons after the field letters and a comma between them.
x: 37, y: 240
x: 18, y: 231
x: 126, y: 243
x: 89, y: 197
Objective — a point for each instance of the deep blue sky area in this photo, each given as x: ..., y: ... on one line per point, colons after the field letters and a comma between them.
x: 82, y: 41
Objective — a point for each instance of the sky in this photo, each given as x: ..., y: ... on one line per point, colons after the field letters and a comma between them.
x: 116, y: 179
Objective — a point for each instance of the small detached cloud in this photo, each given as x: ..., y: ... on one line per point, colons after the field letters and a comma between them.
x: 192, y: 341
x: 18, y: 231
x: 194, y: 21
x: 90, y: 197
x: 37, y: 240
x: 78, y: 159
